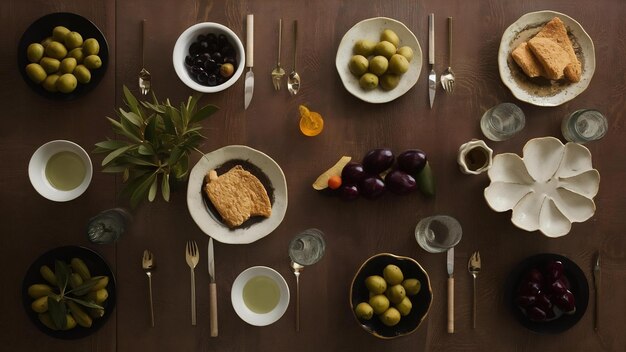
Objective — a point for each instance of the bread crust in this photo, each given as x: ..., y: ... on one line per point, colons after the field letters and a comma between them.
x: 527, y: 61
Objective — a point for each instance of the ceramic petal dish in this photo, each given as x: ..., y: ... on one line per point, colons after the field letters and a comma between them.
x: 527, y: 90
x: 548, y: 189
x: 371, y: 29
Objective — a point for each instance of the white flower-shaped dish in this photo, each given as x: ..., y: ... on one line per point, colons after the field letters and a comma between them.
x: 549, y: 189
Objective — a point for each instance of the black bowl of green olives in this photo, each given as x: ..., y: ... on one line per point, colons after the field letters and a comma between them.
x: 208, y: 57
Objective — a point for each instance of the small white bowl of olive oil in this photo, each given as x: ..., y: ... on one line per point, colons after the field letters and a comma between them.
x: 260, y: 295
x: 60, y: 170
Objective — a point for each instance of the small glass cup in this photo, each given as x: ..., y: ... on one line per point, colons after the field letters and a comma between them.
x: 438, y: 233
x: 307, y: 247
x: 502, y: 121
x: 108, y: 226
x: 584, y: 125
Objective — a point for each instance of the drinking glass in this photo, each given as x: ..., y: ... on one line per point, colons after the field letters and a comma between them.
x: 584, y: 125
x: 107, y: 226
x: 502, y: 121
x: 307, y: 247
x: 438, y: 233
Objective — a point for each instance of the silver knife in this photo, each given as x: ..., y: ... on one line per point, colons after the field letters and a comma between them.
x: 212, y: 291
x: 432, y: 77
x: 249, y: 81
x: 450, y: 267
x: 596, y: 284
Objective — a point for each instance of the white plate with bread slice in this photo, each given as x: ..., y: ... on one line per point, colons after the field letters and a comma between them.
x: 546, y: 58
x: 242, y: 176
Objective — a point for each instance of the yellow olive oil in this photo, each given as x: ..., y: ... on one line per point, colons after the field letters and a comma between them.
x: 65, y: 171
x: 261, y: 294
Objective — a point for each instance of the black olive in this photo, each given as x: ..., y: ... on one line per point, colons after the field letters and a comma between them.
x: 194, y: 48
x: 211, y: 38
x: 212, y: 48
x: 205, y: 56
x: 230, y: 60
x: 188, y: 60
x: 201, y: 37
x: 204, y: 46
x: 217, y: 56
x: 227, y: 50
x: 210, y: 65
x: 212, y: 80
x: 198, y: 62
x: 203, y: 78
x: 222, y: 40
x: 197, y: 70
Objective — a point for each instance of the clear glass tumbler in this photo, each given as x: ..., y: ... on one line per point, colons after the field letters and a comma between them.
x: 584, y: 125
x: 307, y: 247
x: 502, y: 121
x: 438, y: 233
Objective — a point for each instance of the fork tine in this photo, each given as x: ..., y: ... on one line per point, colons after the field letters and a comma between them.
x: 195, y: 248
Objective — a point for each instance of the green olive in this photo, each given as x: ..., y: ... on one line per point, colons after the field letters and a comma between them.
x: 50, y: 83
x: 364, y: 311
x: 412, y: 286
x: 376, y: 284
x: 91, y: 47
x: 389, y: 81
x: 378, y: 65
x: 396, y: 293
x: 385, y: 49
x: 66, y: 83
x: 35, y: 72
x: 368, y: 81
x: 34, y: 52
x: 82, y: 73
x: 364, y: 47
x: 73, y: 40
x: 407, y: 52
x: 59, y: 33
x: 379, y: 303
x: 358, y: 65
x: 56, y: 50
x: 398, y: 64
x: 92, y: 62
x: 390, y: 36
x: 50, y: 65
x: 46, y: 41
x: 390, y: 317
x: 68, y: 65
x: 393, y: 275
x: 78, y: 54
x: 405, y: 306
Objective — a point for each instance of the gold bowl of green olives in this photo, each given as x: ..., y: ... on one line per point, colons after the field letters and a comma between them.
x: 86, y: 298
x: 62, y: 56
x: 378, y: 60
x: 390, y: 295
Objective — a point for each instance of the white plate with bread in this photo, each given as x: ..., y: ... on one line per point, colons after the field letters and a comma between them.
x: 546, y: 58
x: 242, y: 176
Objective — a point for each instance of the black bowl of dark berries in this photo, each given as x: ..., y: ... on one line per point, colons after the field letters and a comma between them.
x: 548, y: 293
x: 208, y: 57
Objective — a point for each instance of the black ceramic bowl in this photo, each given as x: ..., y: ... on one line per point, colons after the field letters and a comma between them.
x: 578, y: 286
x: 97, y: 266
x: 421, y: 301
x: 41, y: 29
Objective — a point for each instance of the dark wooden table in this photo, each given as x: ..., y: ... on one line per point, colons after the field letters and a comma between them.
x: 354, y: 231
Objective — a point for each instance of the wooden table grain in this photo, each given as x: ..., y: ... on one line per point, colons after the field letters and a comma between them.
x: 354, y: 231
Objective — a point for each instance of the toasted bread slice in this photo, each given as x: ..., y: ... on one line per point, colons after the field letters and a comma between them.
x: 552, y: 57
x: 556, y: 31
x: 527, y: 61
x: 237, y: 195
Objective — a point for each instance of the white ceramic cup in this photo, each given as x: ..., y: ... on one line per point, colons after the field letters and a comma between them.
x: 37, y: 170
x: 245, y: 313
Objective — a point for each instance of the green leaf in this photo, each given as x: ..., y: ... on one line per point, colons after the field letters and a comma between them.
x: 130, y: 128
x: 62, y: 273
x: 131, y: 101
x: 165, y: 187
x: 150, y: 133
x: 203, y: 113
x: 132, y: 117
x: 192, y: 101
x: 86, y: 286
x: 153, y: 190
x: 117, y: 127
x: 146, y: 149
x: 139, y: 193
x: 138, y: 161
x: 114, y: 154
x: 85, y: 303
x: 114, y: 169
x: 110, y: 144
x: 154, y: 107
x: 58, y: 313
x: 174, y: 115
x: 175, y: 155
x: 168, y: 125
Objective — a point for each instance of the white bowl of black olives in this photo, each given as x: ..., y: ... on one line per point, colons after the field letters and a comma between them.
x: 208, y: 57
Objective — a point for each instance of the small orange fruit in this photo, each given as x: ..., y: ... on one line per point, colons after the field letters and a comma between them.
x: 334, y: 182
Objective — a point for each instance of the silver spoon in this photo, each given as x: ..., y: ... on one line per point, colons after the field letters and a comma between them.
x: 297, y: 269
x: 293, y: 81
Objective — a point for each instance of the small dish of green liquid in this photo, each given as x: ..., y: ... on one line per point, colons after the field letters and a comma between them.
x: 261, y: 294
x: 65, y: 171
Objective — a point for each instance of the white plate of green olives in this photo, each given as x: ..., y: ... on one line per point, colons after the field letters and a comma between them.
x: 49, y: 64
x: 379, y: 59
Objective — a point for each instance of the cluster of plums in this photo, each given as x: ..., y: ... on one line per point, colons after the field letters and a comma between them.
x: 544, y: 293
x: 365, y: 178
x: 212, y: 59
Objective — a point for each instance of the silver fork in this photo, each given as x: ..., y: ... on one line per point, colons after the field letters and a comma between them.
x: 278, y: 72
x: 144, y: 75
x: 147, y: 262
x: 192, y: 256
x: 447, y: 78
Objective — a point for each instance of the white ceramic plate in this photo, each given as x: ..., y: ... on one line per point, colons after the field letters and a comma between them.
x: 371, y: 29
x: 513, y: 77
x: 215, y: 228
x: 37, y: 170
x: 247, y: 315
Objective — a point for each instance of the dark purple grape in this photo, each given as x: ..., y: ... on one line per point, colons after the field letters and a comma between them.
x: 543, y: 301
x: 378, y: 160
x: 372, y: 187
x: 529, y: 288
x: 210, y: 65
x: 554, y: 270
x: 536, y: 314
x: 188, y: 60
x: 211, y: 38
x: 399, y: 182
x: 534, y: 275
x: 348, y: 192
x: 525, y: 301
x: 557, y: 287
x: 412, y: 161
x: 194, y: 48
x: 352, y: 173
x: 212, y: 80
x: 565, y: 302
x: 203, y: 78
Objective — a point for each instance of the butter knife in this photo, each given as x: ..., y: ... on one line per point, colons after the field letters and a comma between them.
x: 450, y: 267
x: 249, y: 81
x: 212, y: 290
x: 432, y: 76
x: 596, y: 284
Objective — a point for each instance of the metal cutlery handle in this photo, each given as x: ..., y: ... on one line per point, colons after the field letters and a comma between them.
x: 295, y: 43
x: 143, y: 39
x: 151, y: 305
x: 474, y: 303
x: 449, y: 41
x: 297, y: 303
x: 596, y: 311
x: 193, y: 298
x: 450, y: 304
x: 213, y: 308
x: 250, y: 40
x: 431, y: 39
x: 280, y: 38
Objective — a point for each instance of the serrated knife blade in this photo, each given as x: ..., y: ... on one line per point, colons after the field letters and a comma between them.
x: 432, y: 76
